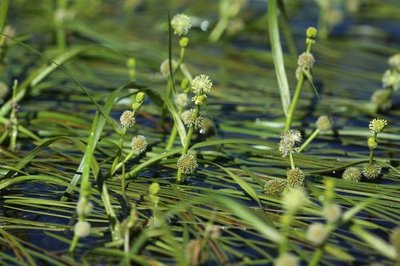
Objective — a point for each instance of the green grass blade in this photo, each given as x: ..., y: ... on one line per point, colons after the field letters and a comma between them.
x: 278, y: 54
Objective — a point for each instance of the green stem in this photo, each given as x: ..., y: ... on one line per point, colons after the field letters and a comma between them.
x: 60, y: 30
x: 14, y: 119
x: 117, y: 159
x: 310, y: 138
x: 218, y: 29
x: 185, y: 148
x: 286, y: 221
x: 74, y: 242
x: 172, y: 137
x: 293, y: 105
x: 114, y: 223
x: 371, y: 151
x: 291, y: 160
x: 316, y: 257
x: 3, y: 13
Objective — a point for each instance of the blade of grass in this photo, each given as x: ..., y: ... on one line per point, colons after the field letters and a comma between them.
x: 278, y: 55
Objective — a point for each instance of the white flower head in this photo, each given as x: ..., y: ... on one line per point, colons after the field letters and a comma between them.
x: 377, y: 125
x: 82, y: 229
x: 127, y: 119
x: 201, y: 84
x: 181, y: 100
x: 181, y: 24
x: 139, y: 144
x: 317, y: 233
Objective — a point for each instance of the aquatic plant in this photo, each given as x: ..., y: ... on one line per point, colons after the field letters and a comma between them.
x: 113, y: 152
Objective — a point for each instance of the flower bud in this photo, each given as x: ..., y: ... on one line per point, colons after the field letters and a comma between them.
x: 372, y: 144
x: 140, y: 97
x: 154, y: 188
x: 184, y: 42
x: 311, y: 32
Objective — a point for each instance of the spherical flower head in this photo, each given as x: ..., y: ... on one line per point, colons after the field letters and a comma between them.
x: 294, y: 199
x: 287, y: 260
x: 84, y: 207
x: 382, y: 98
x: 324, y: 123
x: 187, y: 163
x: 352, y: 174
x: 332, y: 213
x: 139, y: 144
x: 295, y: 177
x: 201, y: 84
x: 306, y: 60
x: 372, y: 144
x: 189, y: 117
x: 288, y: 141
x: 394, y: 61
x: 391, y: 79
x: 127, y: 119
x: 395, y: 238
x: 316, y: 233
x: 181, y: 100
x: 377, y: 125
x: 181, y: 25
x: 82, y: 229
x: 372, y: 171
x: 164, y: 67
x: 4, y: 89
x: 274, y: 187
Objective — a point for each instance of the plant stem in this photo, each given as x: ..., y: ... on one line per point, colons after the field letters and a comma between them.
x: 3, y: 13
x: 286, y: 221
x: 218, y: 29
x: 74, y: 242
x: 291, y: 160
x: 13, y: 118
x: 293, y: 105
x: 308, y: 141
x: 371, y: 151
x: 60, y: 30
x: 185, y: 148
x: 172, y: 138
x: 316, y: 257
